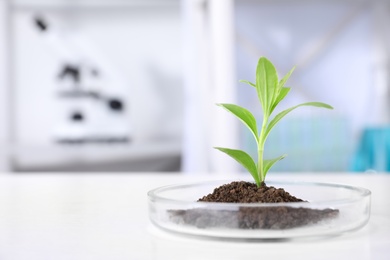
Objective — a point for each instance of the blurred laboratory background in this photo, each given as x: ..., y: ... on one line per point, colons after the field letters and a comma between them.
x: 131, y: 85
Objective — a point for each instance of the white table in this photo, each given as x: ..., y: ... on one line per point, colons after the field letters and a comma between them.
x: 104, y: 216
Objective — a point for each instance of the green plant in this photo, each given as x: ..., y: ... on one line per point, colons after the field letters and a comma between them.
x: 270, y: 92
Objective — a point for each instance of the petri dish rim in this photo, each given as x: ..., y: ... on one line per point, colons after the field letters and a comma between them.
x: 359, y: 194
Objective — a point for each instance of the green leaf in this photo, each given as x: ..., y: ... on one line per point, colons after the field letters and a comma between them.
x: 279, y: 116
x: 269, y: 163
x: 282, y: 94
x: 248, y: 82
x: 266, y: 83
x: 244, y: 159
x: 285, y: 78
x: 244, y: 115
x: 281, y: 90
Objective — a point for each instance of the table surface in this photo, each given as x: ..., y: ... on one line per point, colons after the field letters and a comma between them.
x: 104, y: 216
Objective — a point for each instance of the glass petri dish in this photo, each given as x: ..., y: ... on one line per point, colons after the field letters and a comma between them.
x: 328, y: 210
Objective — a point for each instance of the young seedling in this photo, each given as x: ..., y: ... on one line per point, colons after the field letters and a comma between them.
x: 270, y: 92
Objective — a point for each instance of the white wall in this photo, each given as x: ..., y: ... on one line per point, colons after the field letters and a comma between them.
x: 209, y: 78
x: 3, y: 89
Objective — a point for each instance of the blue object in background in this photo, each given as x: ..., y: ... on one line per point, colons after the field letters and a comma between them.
x: 312, y: 144
x: 373, y: 151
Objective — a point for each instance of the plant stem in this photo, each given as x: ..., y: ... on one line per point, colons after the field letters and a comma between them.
x: 260, y: 150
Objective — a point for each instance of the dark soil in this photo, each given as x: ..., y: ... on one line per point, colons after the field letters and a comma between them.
x: 277, y: 217
x: 247, y: 192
